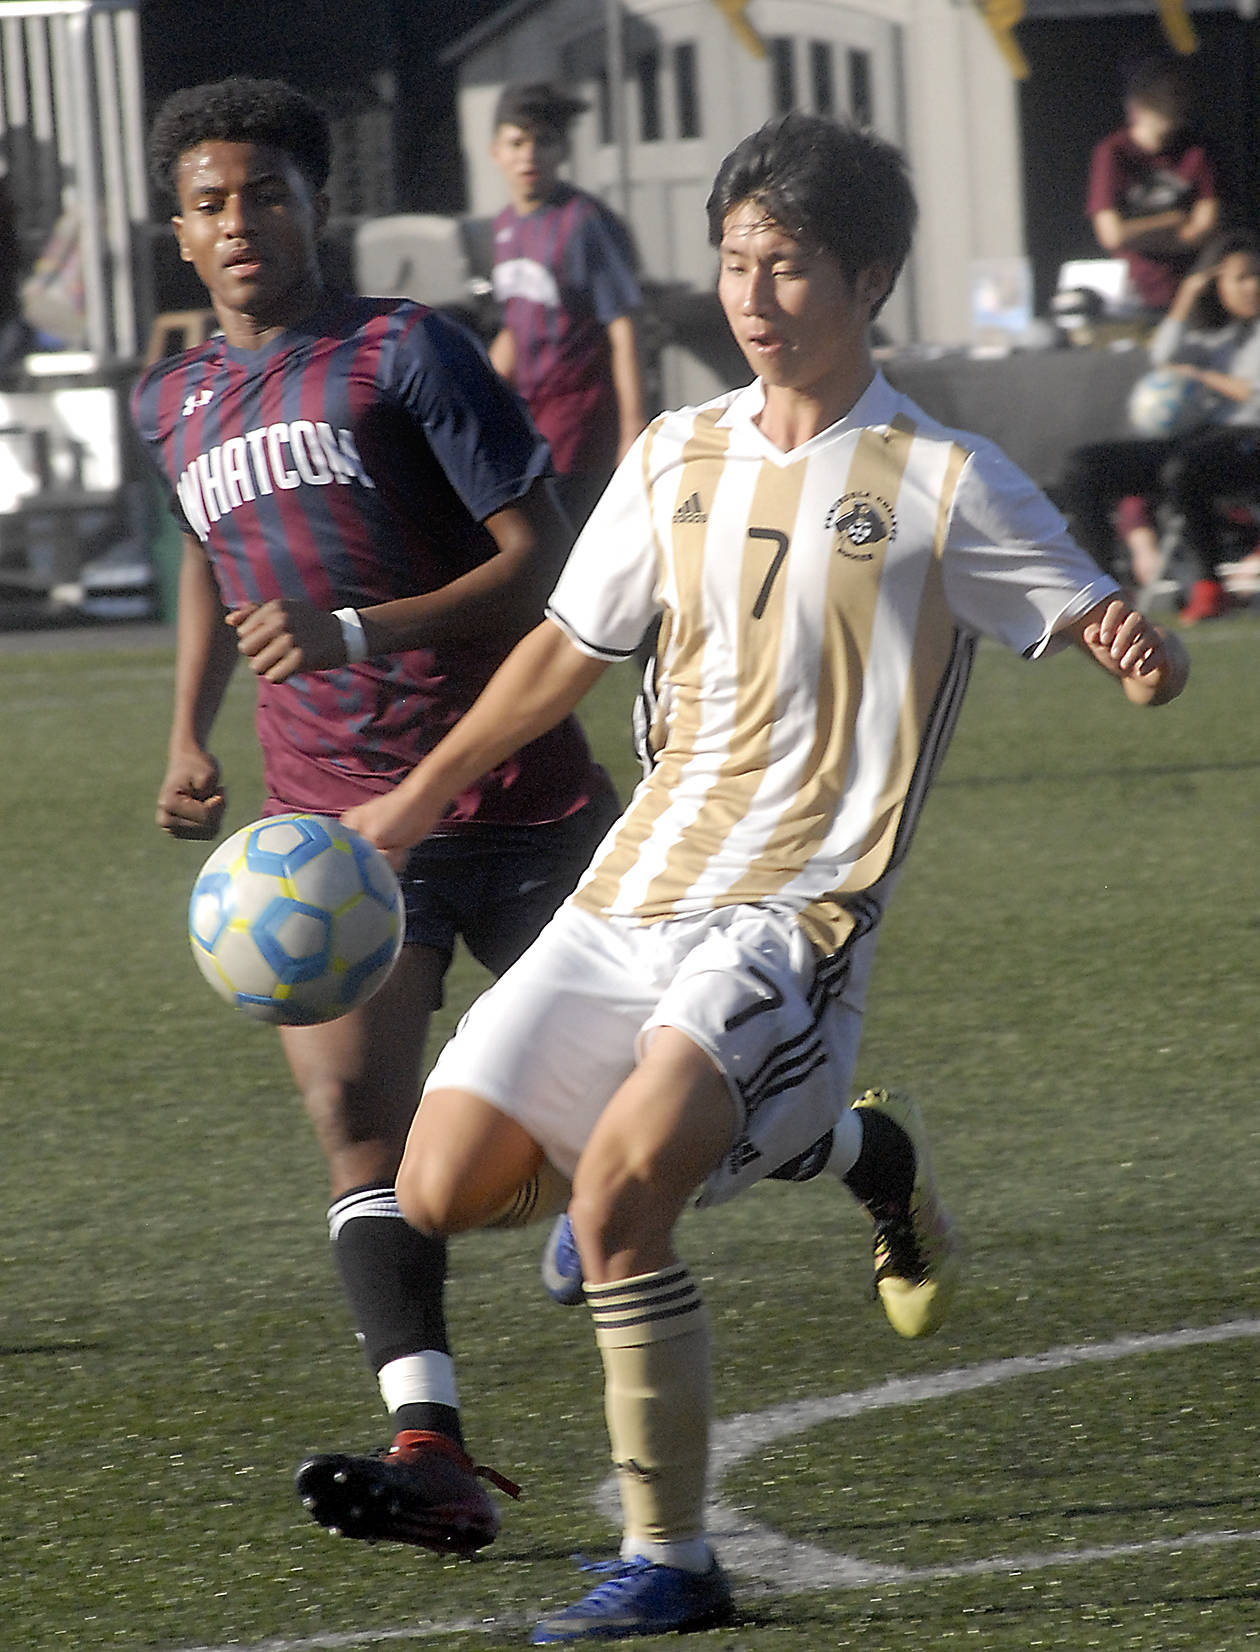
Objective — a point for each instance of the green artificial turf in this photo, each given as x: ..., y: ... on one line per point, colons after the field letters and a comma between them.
x: 1066, y: 980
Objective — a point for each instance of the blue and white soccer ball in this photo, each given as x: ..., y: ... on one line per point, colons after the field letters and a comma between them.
x: 296, y: 919
x: 1167, y: 403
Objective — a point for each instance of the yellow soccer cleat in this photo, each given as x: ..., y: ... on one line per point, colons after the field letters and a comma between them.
x: 916, y: 1246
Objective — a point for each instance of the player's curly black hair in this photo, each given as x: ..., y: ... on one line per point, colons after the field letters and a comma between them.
x: 240, y: 110
x: 835, y: 187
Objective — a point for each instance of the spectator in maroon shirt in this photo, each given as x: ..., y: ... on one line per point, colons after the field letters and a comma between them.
x: 1152, y: 193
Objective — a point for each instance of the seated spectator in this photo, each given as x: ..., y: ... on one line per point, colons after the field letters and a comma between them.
x: 1210, y: 337
x: 1152, y: 193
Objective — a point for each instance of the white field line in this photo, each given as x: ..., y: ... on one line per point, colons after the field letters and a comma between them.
x: 506, y: 1627
x: 757, y: 1552
x: 762, y: 1555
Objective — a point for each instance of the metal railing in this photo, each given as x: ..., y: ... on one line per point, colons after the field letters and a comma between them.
x: 71, y: 126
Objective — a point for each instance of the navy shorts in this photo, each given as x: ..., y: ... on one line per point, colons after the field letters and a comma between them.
x: 495, y: 887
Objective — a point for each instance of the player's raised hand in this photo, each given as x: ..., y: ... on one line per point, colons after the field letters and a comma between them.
x: 1150, y: 662
x: 285, y: 635
x: 191, y: 798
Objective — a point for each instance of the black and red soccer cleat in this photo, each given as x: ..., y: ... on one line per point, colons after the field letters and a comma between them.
x: 424, y: 1489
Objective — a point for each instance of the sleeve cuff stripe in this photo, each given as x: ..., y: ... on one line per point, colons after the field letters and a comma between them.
x: 584, y: 643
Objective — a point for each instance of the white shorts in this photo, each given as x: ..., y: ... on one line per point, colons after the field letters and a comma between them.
x: 554, y: 1038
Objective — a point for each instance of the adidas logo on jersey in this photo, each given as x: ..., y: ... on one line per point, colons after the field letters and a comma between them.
x: 691, y: 510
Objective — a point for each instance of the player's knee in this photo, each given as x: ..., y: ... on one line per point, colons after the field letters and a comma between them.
x: 441, y: 1196
x: 427, y: 1198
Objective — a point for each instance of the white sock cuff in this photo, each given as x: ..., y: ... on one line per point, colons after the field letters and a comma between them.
x: 846, y: 1143
x: 364, y: 1201
x: 417, y: 1379
x: 692, y: 1554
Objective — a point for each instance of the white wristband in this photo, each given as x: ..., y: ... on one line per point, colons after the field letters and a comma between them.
x: 352, y: 634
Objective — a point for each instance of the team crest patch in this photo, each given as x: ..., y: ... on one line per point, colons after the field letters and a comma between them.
x: 861, y: 522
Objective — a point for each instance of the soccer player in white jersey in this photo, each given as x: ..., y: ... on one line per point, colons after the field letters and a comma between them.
x: 823, y: 557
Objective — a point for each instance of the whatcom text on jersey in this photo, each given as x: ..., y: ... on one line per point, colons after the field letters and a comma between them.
x: 274, y: 458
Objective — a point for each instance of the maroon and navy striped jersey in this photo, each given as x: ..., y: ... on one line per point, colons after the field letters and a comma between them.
x: 562, y: 273
x: 351, y: 461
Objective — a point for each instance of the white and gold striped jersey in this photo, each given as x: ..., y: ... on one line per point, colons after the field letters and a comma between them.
x: 819, y: 613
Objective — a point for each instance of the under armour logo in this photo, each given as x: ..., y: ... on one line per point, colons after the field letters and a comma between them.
x: 691, y: 510
x: 193, y: 402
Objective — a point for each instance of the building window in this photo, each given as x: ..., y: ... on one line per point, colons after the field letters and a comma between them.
x: 861, y: 102
x: 648, y: 72
x: 686, y: 90
x: 782, y: 74
x: 822, y: 77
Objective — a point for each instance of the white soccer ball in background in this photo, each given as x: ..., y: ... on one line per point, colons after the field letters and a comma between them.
x: 1164, y: 402
x: 296, y: 919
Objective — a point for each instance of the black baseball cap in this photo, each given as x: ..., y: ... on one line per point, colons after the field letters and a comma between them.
x: 537, y: 104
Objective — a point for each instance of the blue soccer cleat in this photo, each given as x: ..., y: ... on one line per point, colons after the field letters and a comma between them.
x: 637, y: 1597
x: 561, y: 1266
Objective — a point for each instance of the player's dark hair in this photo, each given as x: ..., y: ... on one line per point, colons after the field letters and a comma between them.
x: 1207, y: 312
x: 537, y: 107
x: 1162, y: 84
x: 833, y: 187
x: 240, y: 110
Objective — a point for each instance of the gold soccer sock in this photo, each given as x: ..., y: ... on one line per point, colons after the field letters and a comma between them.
x: 653, y: 1335
x: 546, y: 1193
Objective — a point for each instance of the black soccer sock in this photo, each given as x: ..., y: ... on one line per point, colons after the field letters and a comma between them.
x: 394, y: 1278
x: 882, y: 1176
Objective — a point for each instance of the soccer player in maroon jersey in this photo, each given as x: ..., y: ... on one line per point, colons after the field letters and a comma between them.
x: 327, y: 454
x: 564, y: 275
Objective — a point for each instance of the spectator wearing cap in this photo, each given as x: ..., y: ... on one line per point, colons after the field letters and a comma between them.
x: 564, y: 276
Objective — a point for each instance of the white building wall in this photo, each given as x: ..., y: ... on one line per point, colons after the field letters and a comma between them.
x: 964, y: 146
x: 939, y: 89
